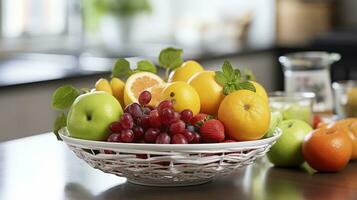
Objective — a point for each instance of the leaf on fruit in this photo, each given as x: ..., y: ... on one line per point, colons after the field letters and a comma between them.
x: 170, y: 58
x: 121, y: 68
x: 249, y: 75
x: 147, y: 66
x: 64, y: 96
x: 60, y: 122
x: 232, y: 79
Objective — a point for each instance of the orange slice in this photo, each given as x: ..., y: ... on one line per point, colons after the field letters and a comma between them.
x: 137, y: 83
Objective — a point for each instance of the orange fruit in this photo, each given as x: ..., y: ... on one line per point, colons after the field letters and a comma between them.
x: 349, y: 125
x: 183, y: 95
x: 137, y: 83
x: 185, y: 71
x: 245, y: 115
x: 210, y: 92
x: 259, y: 89
x: 156, y: 94
x: 327, y: 150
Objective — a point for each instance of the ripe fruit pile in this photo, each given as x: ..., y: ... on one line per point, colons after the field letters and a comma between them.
x: 142, y: 123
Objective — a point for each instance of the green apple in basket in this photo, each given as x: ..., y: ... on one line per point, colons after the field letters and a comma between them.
x: 91, y: 114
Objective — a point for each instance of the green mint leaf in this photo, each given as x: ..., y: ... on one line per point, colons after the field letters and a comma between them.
x: 170, y: 58
x: 249, y: 76
x: 237, y: 74
x: 246, y: 85
x: 147, y: 66
x: 220, y: 78
x: 226, y: 90
x: 60, y: 122
x: 227, y: 69
x: 121, y: 68
x: 64, y: 96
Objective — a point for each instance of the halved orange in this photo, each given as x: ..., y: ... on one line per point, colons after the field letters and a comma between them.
x: 137, y: 83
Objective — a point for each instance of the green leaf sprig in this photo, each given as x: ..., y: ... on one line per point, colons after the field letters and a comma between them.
x: 122, y: 68
x: 170, y: 59
x: 232, y: 79
x: 62, y: 99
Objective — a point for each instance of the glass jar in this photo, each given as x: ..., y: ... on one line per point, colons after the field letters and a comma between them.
x: 297, y: 105
x: 345, y: 93
x: 310, y: 72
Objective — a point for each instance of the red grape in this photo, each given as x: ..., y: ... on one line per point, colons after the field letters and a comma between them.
x: 115, y: 127
x: 197, y: 138
x: 178, y: 139
x: 177, y: 127
x: 188, y: 135
x: 144, y: 98
x: 154, y: 119
x: 126, y: 121
x: 151, y: 135
x: 135, y: 110
x: 167, y: 114
x: 176, y: 118
x: 186, y: 115
x: 146, y: 110
x: 144, y: 122
x: 165, y: 104
x: 163, y: 138
x: 191, y: 128
x: 138, y: 133
x: 127, y: 136
x: 115, y: 137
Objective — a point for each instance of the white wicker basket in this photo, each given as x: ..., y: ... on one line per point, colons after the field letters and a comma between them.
x: 169, y: 164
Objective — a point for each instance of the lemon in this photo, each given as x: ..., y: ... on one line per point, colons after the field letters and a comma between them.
x: 118, y: 89
x: 183, y: 95
x: 185, y: 71
x: 210, y: 92
x: 259, y: 89
x: 103, y: 85
x: 137, y: 83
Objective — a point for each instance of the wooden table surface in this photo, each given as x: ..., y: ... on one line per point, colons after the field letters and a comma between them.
x: 40, y: 167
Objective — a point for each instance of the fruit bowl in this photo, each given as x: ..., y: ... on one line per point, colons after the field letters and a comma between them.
x: 168, y: 164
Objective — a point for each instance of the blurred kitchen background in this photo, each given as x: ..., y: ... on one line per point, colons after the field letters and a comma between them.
x: 48, y: 43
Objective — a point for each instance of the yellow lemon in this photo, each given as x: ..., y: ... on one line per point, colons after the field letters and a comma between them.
x: 137, y: 83
x: 210, y: 92
x: 185, y: 71
x: 259, y: 89
x: 156, y: 94
x: 183, y: 95
x: 118, y: 89
x: 103, y: 85
x: 245, y: 115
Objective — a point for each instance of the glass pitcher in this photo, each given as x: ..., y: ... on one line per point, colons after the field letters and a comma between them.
x: 310, y: 72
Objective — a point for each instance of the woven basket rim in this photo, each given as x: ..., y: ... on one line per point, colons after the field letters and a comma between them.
x: 166, y: 147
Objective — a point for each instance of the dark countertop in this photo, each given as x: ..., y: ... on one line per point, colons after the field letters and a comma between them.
x: 39, y: 167
x: 29, y: 68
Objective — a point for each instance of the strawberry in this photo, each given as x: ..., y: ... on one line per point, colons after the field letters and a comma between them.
x: 199, y: 119
x: 316, y: 121
x: 212, y: 131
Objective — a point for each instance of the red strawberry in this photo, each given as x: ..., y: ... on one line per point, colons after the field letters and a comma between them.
x: 212, y: 131
x: 198, y: 119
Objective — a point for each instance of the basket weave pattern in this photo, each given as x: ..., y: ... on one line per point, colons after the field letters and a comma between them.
x: 169, y: 167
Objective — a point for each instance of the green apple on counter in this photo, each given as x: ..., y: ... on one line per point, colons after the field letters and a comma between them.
x: 91, y: 114
x: 287, y: 151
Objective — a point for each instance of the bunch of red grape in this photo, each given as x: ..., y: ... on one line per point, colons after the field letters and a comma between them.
x: 142, y: 123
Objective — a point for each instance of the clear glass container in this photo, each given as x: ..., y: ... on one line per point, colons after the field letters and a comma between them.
x: 296, y: 105
x: 345, y: 94
x: 310, y: 72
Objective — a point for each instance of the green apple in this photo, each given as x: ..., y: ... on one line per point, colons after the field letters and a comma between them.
x: 287, y: 151
x: 296, y: 111
x: 91, y: 114
x: 275, y: 118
